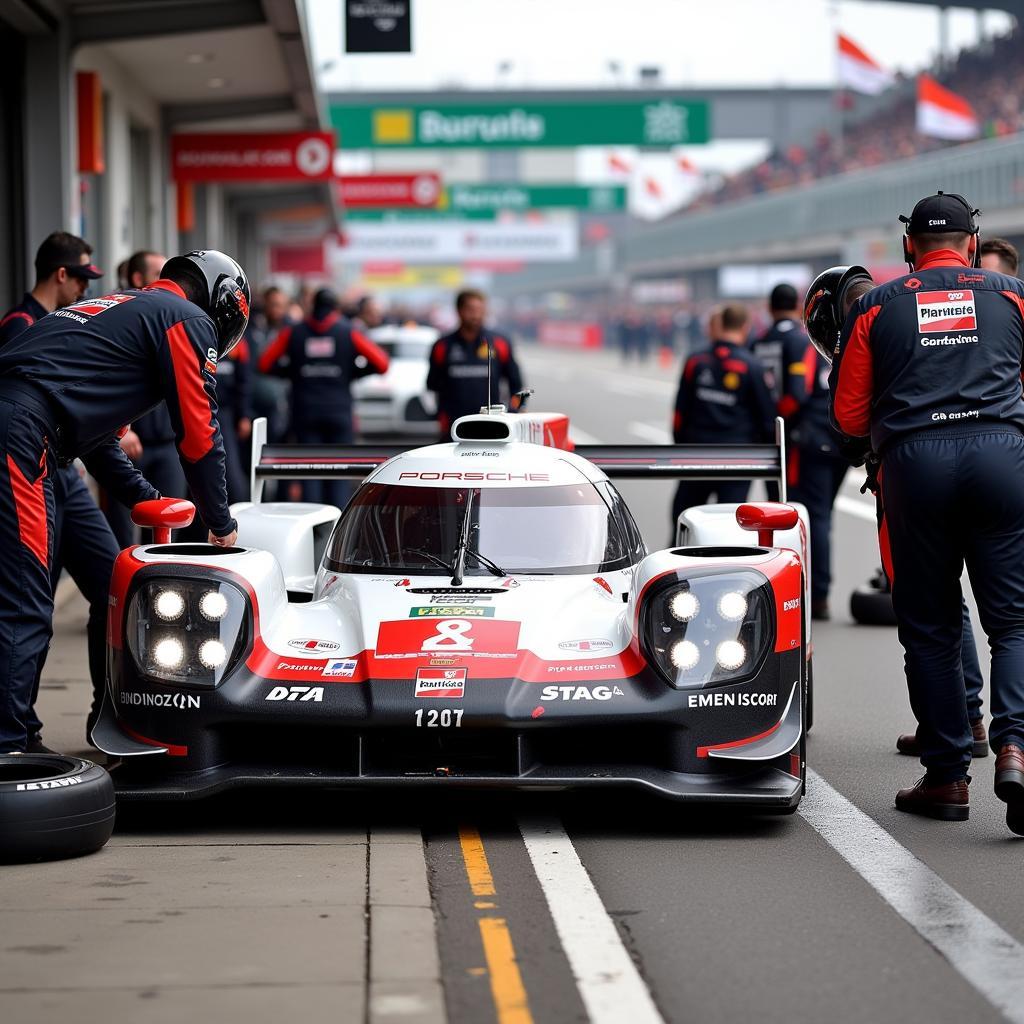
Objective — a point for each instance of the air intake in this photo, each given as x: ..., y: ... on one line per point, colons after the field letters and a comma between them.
x: 482, y: 428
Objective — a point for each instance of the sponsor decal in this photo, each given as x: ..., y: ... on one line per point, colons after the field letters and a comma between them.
x: 442, y: 662
x: 597, y: 666
x: 29, y: 787
x: 732, y: 700
x: 537, y: 711
x: 458, y: 475
x: 946, y: 311
x: 340, y: 667
x: 440, y: 682
x: 791, y: 605
x: 731, y: 380
x: 299, y: 693
x: 912, y: 283
x: 178, y: 701
x: 580, y: 692
x: 446, y: 610
x: 320, y: 348
x: 463, y: 598
x: 314, y: 646
x: 509, y: 582
x: 93, y: 307
x: 950, y: 339
x: 410, y: 637
x: 596, y: 644
x: 969, y: 414
x: 603, y: 583
x: 970, y: 278
x: 292, y: 666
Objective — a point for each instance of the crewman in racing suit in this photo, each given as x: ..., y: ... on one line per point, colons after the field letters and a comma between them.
x: 66, y: 385
x: 928, y: 374
x: 322, y: 356
x: 723, y: 398
x: 459, y: 365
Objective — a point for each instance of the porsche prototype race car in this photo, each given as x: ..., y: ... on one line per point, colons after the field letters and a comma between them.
x: 397, y: 401
x: 483, y: 613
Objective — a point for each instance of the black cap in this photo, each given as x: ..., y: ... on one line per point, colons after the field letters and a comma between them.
x: 782, y: 298
x: 941, y: 214
x: 62, y: 249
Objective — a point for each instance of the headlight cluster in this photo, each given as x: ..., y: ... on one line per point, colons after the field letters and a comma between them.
x: 186, y: 631
x: 709, y: 629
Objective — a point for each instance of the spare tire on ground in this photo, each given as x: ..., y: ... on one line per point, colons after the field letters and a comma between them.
x: 53, y: 806
x: 871, y: 604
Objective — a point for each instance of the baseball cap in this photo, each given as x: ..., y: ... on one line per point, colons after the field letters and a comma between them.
x: 62, y: 249
x: 941, y: 214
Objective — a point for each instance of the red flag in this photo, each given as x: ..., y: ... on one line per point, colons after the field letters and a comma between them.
x: 944, y: 114
x: 860, y: 72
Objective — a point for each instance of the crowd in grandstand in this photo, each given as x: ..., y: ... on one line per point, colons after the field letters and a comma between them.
x: 990, y: 78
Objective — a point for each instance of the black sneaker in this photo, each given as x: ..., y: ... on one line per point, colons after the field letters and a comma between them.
x: 36, y: 746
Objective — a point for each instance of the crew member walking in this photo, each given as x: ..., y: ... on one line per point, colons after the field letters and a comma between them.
x: 459, y: 365
x: 65, y: 386
x: 928, y: 374
x: 723, y: 398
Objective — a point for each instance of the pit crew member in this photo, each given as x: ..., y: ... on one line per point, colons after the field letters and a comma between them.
x: 928, y: 373
x: 723, y: 398
x: 65, y: 386
x: 322, y: 356
x: 1000, y: 255
x: 82, y: 541
x: 458, y: 365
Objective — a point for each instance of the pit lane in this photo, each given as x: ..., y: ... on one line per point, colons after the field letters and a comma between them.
x: 341, y: 908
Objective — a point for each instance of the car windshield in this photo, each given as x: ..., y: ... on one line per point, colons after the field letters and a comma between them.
x: 562, y: 529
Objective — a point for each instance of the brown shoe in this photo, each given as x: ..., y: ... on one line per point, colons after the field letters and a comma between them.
x: 907, y: 742
x: 947, y: 801
x: 1010, y: 785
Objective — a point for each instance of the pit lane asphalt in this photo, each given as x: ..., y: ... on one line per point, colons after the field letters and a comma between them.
x: 723, y: 917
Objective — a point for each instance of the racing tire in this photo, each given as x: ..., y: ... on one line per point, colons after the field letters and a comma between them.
x: 871, y: 604
x: 53, y: 806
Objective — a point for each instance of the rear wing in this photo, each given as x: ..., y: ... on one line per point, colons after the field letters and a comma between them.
x: 617, y: 461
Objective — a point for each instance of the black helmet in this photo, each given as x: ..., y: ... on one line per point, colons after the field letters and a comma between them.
x: 824, y: 308
x: 221, y: 290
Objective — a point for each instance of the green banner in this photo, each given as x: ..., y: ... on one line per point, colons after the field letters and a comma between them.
x: 486, y: 202
x: 661, y: 122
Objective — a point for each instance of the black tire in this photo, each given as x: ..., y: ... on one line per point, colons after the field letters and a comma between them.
x: 53, y: 806
x: 872, y: 607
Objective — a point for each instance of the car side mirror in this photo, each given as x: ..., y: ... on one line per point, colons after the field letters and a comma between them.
x: 766, y: 517
x: 162, y: 515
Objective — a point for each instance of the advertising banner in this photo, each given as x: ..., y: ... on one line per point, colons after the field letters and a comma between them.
x: 654, y: 122
x: 378, y: 26
x: 265, y: 156
x: 390, y: 191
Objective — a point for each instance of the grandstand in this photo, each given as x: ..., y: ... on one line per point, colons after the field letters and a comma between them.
x: 990, y: 77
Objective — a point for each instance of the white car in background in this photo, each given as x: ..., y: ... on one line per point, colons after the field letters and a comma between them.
x: 397, y: 402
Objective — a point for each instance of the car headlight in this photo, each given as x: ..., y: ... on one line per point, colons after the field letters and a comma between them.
x: 186, y: 631
x: 709, y: 629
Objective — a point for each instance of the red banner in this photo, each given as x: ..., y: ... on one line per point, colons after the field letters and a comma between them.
x: 399, y: 191
x: 570, y: 334
x: 267, y: 156
x: 298, y: 259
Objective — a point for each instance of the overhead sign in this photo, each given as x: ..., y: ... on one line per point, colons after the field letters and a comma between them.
x: 416, y: 191
x: 378, y: 26
x: 520, y: 198
x: 269, y: 156
x: 412, y: 277
x: 457, y: 242
x: 658, y: 122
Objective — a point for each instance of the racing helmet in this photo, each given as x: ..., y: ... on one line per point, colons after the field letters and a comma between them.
x: 221, y: 291
x: 824, y: 308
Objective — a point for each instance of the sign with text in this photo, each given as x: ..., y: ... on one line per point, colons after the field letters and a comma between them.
x: 654, y: 122
x: 265, y: 156
x: 378, y: 26
x: 389, y: 191
x: 457, y: 241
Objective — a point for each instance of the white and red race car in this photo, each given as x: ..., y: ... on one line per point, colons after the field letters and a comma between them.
x: 483, y: 613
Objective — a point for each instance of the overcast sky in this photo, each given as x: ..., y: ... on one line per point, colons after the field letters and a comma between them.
x: 570, y: 43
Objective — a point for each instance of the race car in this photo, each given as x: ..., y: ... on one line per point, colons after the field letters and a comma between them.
x: 483, y: 613
x: 398, y: 402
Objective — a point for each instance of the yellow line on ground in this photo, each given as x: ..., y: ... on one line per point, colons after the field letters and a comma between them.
x: 475, y: 859
x: 506, y: 981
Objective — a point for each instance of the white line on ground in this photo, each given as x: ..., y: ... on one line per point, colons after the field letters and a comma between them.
x: 986, y: 956
x: 609, y: 984
x: 861, y: 509
x: 579, y: 436
x: 659, y: 435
